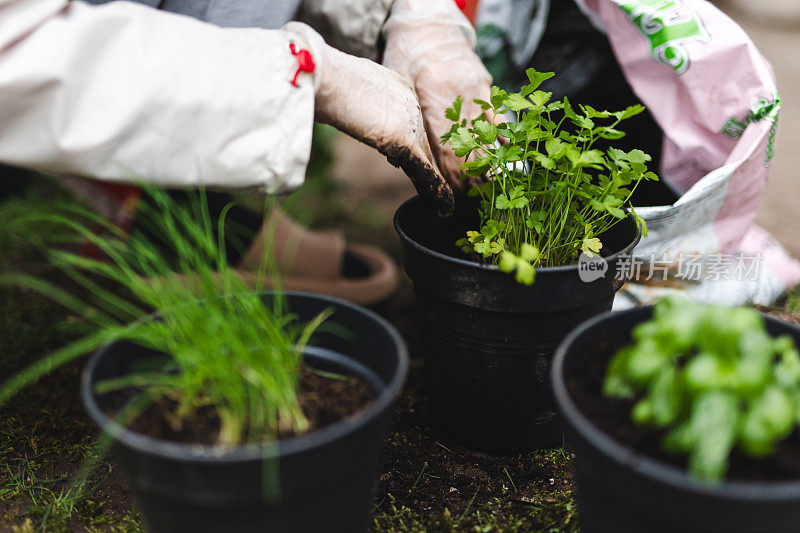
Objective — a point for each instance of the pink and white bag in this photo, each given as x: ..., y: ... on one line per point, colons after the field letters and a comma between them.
x: 714, y: 97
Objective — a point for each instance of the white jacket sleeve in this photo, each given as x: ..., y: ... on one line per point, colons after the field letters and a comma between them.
x: 125, y: 92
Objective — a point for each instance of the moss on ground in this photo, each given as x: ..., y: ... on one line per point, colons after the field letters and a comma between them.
x: 531, y: 507
x: 494, y: 515
x: 429, y: 483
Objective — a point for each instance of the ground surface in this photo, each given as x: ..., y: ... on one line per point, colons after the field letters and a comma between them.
x: 426, y: 482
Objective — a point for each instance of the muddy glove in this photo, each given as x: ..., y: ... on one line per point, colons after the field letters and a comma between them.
x: 431, y: 42
x: 378, y: 107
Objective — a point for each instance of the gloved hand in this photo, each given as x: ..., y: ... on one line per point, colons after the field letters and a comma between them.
x: 378, y: 107
x: 431, y: 43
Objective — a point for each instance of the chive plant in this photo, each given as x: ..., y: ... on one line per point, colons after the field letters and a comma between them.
x: 550, y: 195
x: 711, y: 380
x: 227, y: 348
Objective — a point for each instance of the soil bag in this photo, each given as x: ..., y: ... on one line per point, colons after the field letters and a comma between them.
x: 714, y: 98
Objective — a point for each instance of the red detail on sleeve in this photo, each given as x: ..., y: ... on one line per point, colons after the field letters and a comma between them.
x: 305, y: 62
x: 462, y: 4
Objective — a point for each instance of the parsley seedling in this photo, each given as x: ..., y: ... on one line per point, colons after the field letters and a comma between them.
x: 550, y: 195
x: 712, y: 379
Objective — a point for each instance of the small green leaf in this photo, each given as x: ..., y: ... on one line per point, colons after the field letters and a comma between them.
x: 610, y: 133
x: 713, y: 426
x: 525, y: 273
x: 516, y: 102
x: 529, y: 253
x: 591, y: 246
x: 484, y: 247
x: 454, y: 113
x: 510, y: 153
x: 637, y: 156
x: 617, y: 155
x: 445, y: 138
x: 616, y: 212
x: 497, y: 246
x: 508, y: 261
x: 666, y: 395
x: 769, y: 420
x: 490, y: 231
x: 591, y: 112
x: 642, y: 224
x: 464, y: 245
x: 474, y: 236
x: 497, y: 97
x: 630, y: 111
x: 591, y: 157
x: 540, y: 98
x: 502, y: 202
x: 572, y: 153
x: 487, y: 132
x: 645, y: 362
x: 554, y: 147
x: 535, y: 225
x: 616, y: 383
x: 462, y: 142
x: 679, y: 440
x: 478, y: 167
x: 536, y: 78
x: 483, y: 103
x: 704, y: 372
x: 642, y: 412
x: 545, y: 161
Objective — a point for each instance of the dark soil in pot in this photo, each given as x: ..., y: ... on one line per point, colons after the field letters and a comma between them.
x: 626, y: 483
x: 613, y: 416
x: 324, y: 398
x: 486, y: 339
x: 321, y: 480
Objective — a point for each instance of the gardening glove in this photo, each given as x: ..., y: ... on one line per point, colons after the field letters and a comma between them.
x: 378, y: 107
x: 431, y: 42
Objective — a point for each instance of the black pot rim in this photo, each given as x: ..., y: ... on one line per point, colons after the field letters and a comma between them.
x: 484, y: 266
x: 282, y: 448
x: 655, y: 470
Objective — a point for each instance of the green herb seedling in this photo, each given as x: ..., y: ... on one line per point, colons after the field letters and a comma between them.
x: 550, y: 195
x: 711, y: 379
x: 227, y: 348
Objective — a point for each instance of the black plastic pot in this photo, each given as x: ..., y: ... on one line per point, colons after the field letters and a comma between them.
x: 621, y: 490
x: 488, y: 340
x: 320, y: 481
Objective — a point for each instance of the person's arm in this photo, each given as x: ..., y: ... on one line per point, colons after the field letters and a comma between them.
x: 124, y: 92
